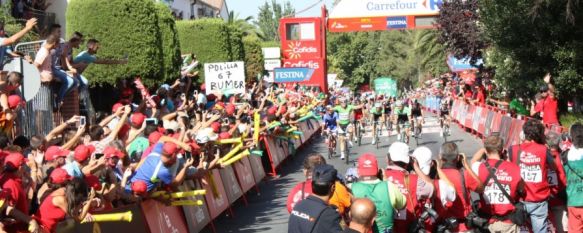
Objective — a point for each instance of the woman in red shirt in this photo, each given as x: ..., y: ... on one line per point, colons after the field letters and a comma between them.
x: 65, y: 198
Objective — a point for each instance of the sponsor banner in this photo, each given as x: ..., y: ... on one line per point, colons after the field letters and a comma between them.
x: 197, y: 217
x: 271, y: 64
x: 477, y: 116
x: 505, y: 124
x: 397, y: 22
x: 226, y: 77
x: 290, y: 75
x: 514, y: 134
x: 459, y: 65
x: 257, y: 168
x: 162, y: 218
x: 488, y: 125
x: 373, y: 8
x: 357, y: 24
x: 302, y: 50
x: 271, y: 53
x: 216, y: 197
x: 386, y: 86
x: 230, y: 183
x: 482, y: 124
x: 469, y: 116
x: 244, y: 174
x: 318, y: 77
x: 273, y: 150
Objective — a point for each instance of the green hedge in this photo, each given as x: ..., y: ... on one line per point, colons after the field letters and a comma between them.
x: 125, y: 27
x: 170, y: 42
x: 253, y: 57
x: 212, y: 40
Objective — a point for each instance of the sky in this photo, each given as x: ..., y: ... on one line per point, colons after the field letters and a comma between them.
x: 251, y: 7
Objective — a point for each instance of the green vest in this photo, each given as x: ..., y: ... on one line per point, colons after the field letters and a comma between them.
x: 574, y: 183
x: 379, y: 194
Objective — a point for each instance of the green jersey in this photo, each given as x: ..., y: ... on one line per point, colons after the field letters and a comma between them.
x: 404, y: 111
x: 573, y: 171
x: 344, y: 114
x: 376, y: 111
x: 378, y: 193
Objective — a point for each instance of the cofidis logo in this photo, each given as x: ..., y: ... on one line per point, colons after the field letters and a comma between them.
x: 295, y: 50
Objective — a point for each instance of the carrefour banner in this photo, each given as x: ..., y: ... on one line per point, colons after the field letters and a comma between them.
x: 375, y: 8
x: 386, y: 86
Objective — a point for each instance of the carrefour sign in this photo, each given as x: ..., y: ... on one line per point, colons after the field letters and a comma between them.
x: 374, y: 8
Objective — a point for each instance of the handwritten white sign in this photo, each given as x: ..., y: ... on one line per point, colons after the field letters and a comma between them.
x: 225, y: 77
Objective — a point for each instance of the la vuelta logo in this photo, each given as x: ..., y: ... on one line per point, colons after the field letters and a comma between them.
x: 295, y: 50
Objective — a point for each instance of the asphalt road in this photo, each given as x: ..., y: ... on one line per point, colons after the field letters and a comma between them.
x: 266, y: 211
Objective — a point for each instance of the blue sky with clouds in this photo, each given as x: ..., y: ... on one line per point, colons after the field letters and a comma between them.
x: 251, y: 7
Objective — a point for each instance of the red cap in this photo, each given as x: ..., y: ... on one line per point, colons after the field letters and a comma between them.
x: 283, y: 110
x: 154, y: 137
x: 92, y: 181
x: 272, y: 110
x: 14, y: 101
x: 116, y: 106
x: 139, y: 187
x: 82, y: 152
x: 54, y: 152
x: 230, y: 109
x: 14, y: 159
x: 202, y: 87
x: 224, y: 135
x: 216, y: 126
x: 110, y: 152
x: 60, y: 176
x: 137, y: 119
x: 211, y: 97
x: 367, y: 165
x: 170, y: 148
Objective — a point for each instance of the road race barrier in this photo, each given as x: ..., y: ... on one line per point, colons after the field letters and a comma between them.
x: 484, y: 120
x: 223, y: 188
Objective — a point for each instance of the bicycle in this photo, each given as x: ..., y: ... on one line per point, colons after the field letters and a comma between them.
x: 377, y: 136
x: 331, y: 137
x: 445, y: 128
x: 403, y: 132
x: 359, y: 129
x: 345, y: 134
x: 417, y: 127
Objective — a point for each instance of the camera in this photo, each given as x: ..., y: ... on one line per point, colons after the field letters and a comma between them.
x: 473, y: 220
x: 419, y: 226
x: 448, y: 225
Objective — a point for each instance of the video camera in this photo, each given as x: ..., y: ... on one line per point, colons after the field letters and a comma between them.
x: 419, y: 226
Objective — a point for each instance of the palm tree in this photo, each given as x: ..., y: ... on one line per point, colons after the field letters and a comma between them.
x: 427, y: 54
x: 244, y: 25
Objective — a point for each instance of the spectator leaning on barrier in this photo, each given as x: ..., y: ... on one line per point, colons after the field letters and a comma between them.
x: 497, y: 174
x: 313, y: 214
x: 573, y: 165
x: 362, y: 215
x: 387, y: 197
x: 534, y: 158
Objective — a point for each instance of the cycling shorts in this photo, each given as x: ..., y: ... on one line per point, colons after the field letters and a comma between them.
x: 376, y: 117
x: 358, y: 115
x: 443, y: 113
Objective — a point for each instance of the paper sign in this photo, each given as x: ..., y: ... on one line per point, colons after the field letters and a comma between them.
x: 226, y: 77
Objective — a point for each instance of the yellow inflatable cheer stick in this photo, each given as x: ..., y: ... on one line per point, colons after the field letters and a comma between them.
x: 256, y: 122
x: 179, y: 194
x: 229, y: 141
x: 115, y: 217
x: 231, y: 153
x: 236, y: 158
x: 186, y: 203
x: 291, y: 129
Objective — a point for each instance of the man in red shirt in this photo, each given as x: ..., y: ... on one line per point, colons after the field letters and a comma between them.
x: 480, y: 96
x: 533, y: 158
x: 494, y: 202
x: 548, y: 105
x: 454, y: 169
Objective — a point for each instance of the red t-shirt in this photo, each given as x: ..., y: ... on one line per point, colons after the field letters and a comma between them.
x: 549, y: 110
x: 50, y: 215
x: 460, y: 207
x: 13, y: 185
x: 533, y: 169
x: 557, y: 180
x: 406, y: 216
x: 480, y: 97
x: 494, y: 202
x: 468, y: 94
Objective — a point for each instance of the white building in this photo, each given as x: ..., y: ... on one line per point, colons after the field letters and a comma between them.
x: 194, y: 9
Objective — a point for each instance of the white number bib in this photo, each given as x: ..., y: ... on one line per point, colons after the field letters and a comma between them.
x: 344, y: 116
x: 495, y: 196
x: 552, y: 178
x: 531, y: 174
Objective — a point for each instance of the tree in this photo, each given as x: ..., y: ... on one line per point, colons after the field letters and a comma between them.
x: 123, y: 27
x: 253, y: 57
x: 244, y: 25
x: 269, y: 16
x: 458, y: 24
x: 170, y: 42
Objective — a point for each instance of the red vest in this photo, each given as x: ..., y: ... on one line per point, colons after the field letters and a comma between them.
x: 533, y: 169
x: 404, y: 217
x: 460, y: 207
x: 494, y: 202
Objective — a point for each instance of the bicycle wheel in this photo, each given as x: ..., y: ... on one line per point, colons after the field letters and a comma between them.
x: 347, y: 152
x: 359, y: 134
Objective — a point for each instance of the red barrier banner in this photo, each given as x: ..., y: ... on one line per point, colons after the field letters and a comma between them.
x: 230, y: 183
x: 488, y: 125
x: 477, y: 118
x: 469, y: 116
x: 216, y: 197
x: 244, y: 174
x: 496, y: 121
x: 197, y: 217
x: 162, y: 218
x: 483, y: 120
x: 505, y: 125
x: 514, y: 134
x: 257, y: 168
x: 138, y: 223
x: 274, y: 150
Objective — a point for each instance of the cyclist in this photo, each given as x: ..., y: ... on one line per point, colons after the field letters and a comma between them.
x: 444, y: 118
x: 387, y: 105
x: 376, y: 113
x: 329, y: 125
x: 417, y: 115
x: 358, y: 114
x: 344, y: 110
x: 402, y: 117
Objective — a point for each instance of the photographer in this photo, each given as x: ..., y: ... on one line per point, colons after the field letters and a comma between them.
x: 455, y: 169
x: 498, y: 203
x: 415, y: 189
